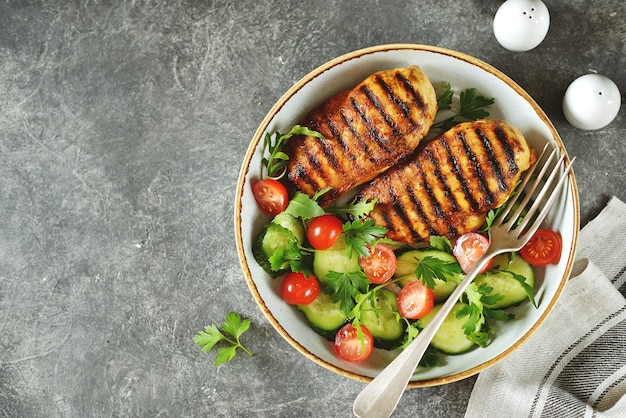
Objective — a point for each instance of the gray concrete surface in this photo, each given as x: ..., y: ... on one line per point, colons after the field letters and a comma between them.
x: 122, y: 128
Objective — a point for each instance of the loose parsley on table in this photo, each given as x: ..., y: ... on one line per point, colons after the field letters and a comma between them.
x: 231, y: 332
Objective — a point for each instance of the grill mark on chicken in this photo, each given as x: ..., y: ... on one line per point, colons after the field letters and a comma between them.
x: 419, y: 209
x: 348, y: 121
x: 508, y: 151
x: 456, y: 169
x: 437, y: 164
x: 377, y: 104
x: 406, y: 112
x: 337, y: 137
x: 448, y: 187
x: 478, y: 172
x: 493, y: 160
x: 366, y: 130
x: 419, y: 100
x: 374, y: 133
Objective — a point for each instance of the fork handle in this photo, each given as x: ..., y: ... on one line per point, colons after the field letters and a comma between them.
x: 381, y: 395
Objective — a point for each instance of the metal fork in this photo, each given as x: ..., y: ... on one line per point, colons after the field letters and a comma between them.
x: 507, y: 233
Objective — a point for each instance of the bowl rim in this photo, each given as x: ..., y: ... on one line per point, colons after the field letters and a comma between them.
x: 260, y: 132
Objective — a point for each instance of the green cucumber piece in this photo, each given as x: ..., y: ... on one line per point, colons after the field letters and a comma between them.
x: 379, y: 314
x: 450, y: 337
x: 408, y: 262
x: 324, y: 315
x: 334, y: 259
x: 287, y: 220
x: 501, y: 279
x: 272, y: 237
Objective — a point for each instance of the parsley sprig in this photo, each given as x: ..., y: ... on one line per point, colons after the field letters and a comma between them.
x: 471, y: 107
x: 231, y: 332
x: 431, y: 268
x: 361, y: 233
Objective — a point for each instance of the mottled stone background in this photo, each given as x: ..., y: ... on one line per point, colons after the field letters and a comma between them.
x: 122, y: 129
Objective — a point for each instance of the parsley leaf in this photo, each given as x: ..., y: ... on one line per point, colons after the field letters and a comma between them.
x: 346, y: 286
x: 444, y: 101
x: 231, y: 332
x: 293, y: 254
x: 430, y: 268
x: 277, y: 161
x: 361, y: 233
x: 471, y: 107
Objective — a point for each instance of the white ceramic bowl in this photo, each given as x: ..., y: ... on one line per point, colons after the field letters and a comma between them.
x: 440, y: 65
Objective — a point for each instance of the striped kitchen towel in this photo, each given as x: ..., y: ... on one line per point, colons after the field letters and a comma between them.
x: 574, y: 365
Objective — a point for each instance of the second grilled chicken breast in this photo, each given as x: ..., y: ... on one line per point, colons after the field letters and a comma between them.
x: 450, y: 185
x: 367, y: 130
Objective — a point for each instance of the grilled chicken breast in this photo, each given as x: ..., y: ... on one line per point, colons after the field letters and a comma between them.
x: 366, y: 130
x: 450, y: 185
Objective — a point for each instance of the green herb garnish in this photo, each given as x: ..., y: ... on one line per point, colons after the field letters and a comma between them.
x: 430, y: 269
x: 231, y: 332
x: 471, y: 107
x: 277, y: 161
x: 346, y: 287
x: 361, y: 233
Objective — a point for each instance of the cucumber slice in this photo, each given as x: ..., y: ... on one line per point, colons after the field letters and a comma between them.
x: 408, y: 262
x: 324, y: 315
x: 287, y: 220
x: 379, y: 314
x: 502, y: 281
x: 272, y: 237
x: 450, y: 337
x: 334, y: 259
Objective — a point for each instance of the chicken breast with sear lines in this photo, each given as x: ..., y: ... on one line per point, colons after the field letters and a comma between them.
x: 451, y: 184
x: 366, y: 130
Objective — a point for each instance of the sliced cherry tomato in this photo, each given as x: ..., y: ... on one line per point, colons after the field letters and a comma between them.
x: 415, y: 300
x: 349, y: 347
x: 270, y: 195
x: 380, y: 264
x: 468, y: 248
x: 543, y: 248
x: 297, y: 289
x: 323, y: 231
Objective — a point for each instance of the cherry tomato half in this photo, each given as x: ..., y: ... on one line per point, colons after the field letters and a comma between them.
x: 415, y: 300
x: 323, y: 231
x: 468, y: 248
x: 543, y: 248
x: 380, y: 265
x: 349, y: 347
x: 297, y: 289
x: 271, y: 196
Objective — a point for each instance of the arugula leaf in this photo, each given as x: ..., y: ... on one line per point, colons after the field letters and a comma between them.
x: 278, y: 160
x: 232, y: 330
x: 441, y: 243
x: 302, y: 206
x: 346, y: 286
x: 411, y: 332
x: 359, y: 233
x: 530, y: 292
x: 431, y: 268
x: 354, y: 208
x: 471, y: 107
